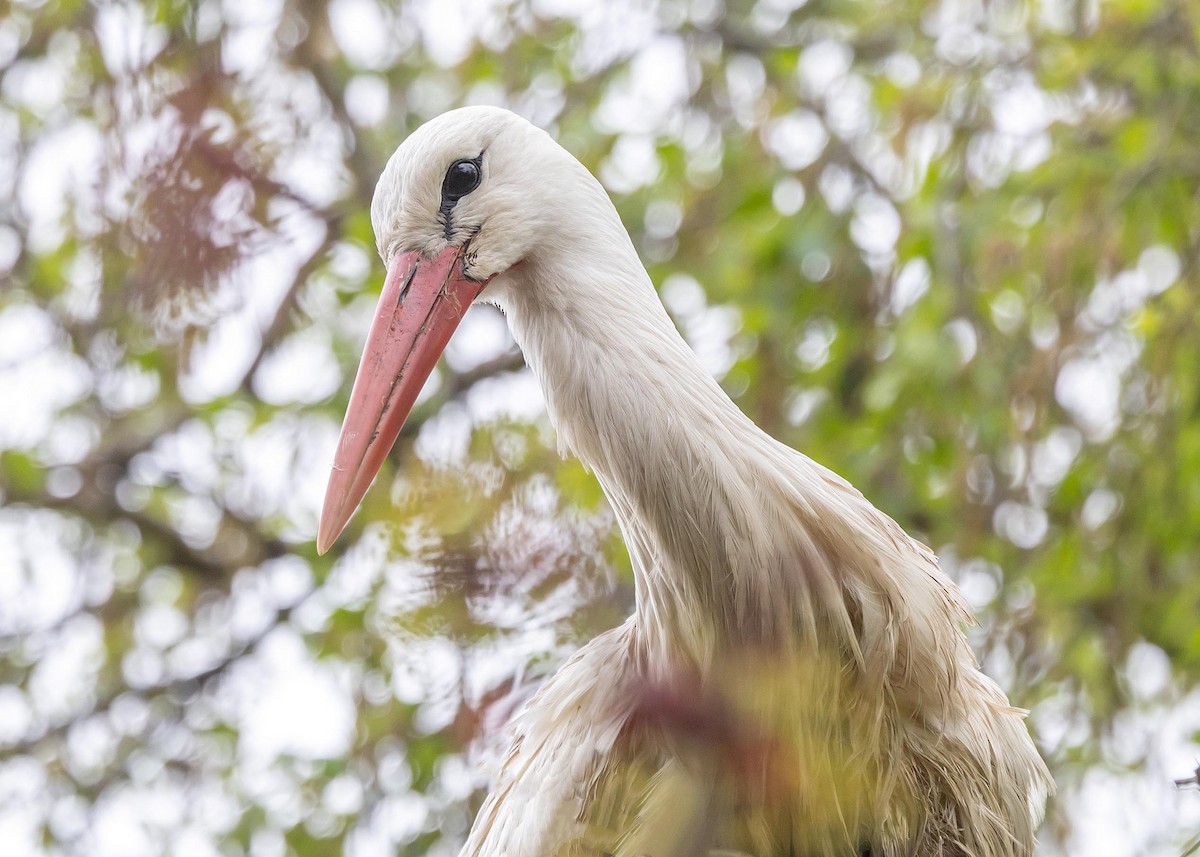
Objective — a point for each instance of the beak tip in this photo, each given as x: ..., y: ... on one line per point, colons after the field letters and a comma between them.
x: 327, y: 532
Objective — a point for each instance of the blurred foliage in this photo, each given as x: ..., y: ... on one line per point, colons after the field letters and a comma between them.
x: 947, y: 249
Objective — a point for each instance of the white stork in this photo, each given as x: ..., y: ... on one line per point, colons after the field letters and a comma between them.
x: 794, y: 679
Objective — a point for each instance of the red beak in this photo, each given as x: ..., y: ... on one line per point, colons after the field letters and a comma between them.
x: 422, y: 303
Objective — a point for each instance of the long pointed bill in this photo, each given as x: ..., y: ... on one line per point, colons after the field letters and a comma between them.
x: 422, y: 303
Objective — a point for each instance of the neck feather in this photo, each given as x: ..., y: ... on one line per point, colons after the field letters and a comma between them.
x: 687, y: 473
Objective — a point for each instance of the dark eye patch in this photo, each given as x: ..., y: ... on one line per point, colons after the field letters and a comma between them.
x: 462, y: 177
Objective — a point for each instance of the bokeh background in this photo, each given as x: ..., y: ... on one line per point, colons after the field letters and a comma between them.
x: 948, y: 249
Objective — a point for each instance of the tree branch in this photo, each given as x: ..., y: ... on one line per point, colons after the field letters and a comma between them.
x: 283, y: 321
x: 181, y: 686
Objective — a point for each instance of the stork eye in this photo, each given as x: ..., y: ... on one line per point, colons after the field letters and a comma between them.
x: 462, y: 178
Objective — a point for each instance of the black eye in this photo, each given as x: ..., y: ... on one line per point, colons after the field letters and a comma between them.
x: 462, y: 178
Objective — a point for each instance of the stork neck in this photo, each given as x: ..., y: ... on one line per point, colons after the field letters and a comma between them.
x: 675, y: 456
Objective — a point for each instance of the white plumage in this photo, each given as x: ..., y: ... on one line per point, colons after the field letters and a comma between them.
x: 794, y: 679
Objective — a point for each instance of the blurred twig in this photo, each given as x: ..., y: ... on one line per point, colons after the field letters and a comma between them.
x: 283, y: 321
x: 317, y: 53
x: 216, y: 562
x: 185, y: 686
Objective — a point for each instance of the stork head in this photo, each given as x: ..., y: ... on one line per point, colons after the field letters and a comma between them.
x: 464, y: 200
x: 468, y: 183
